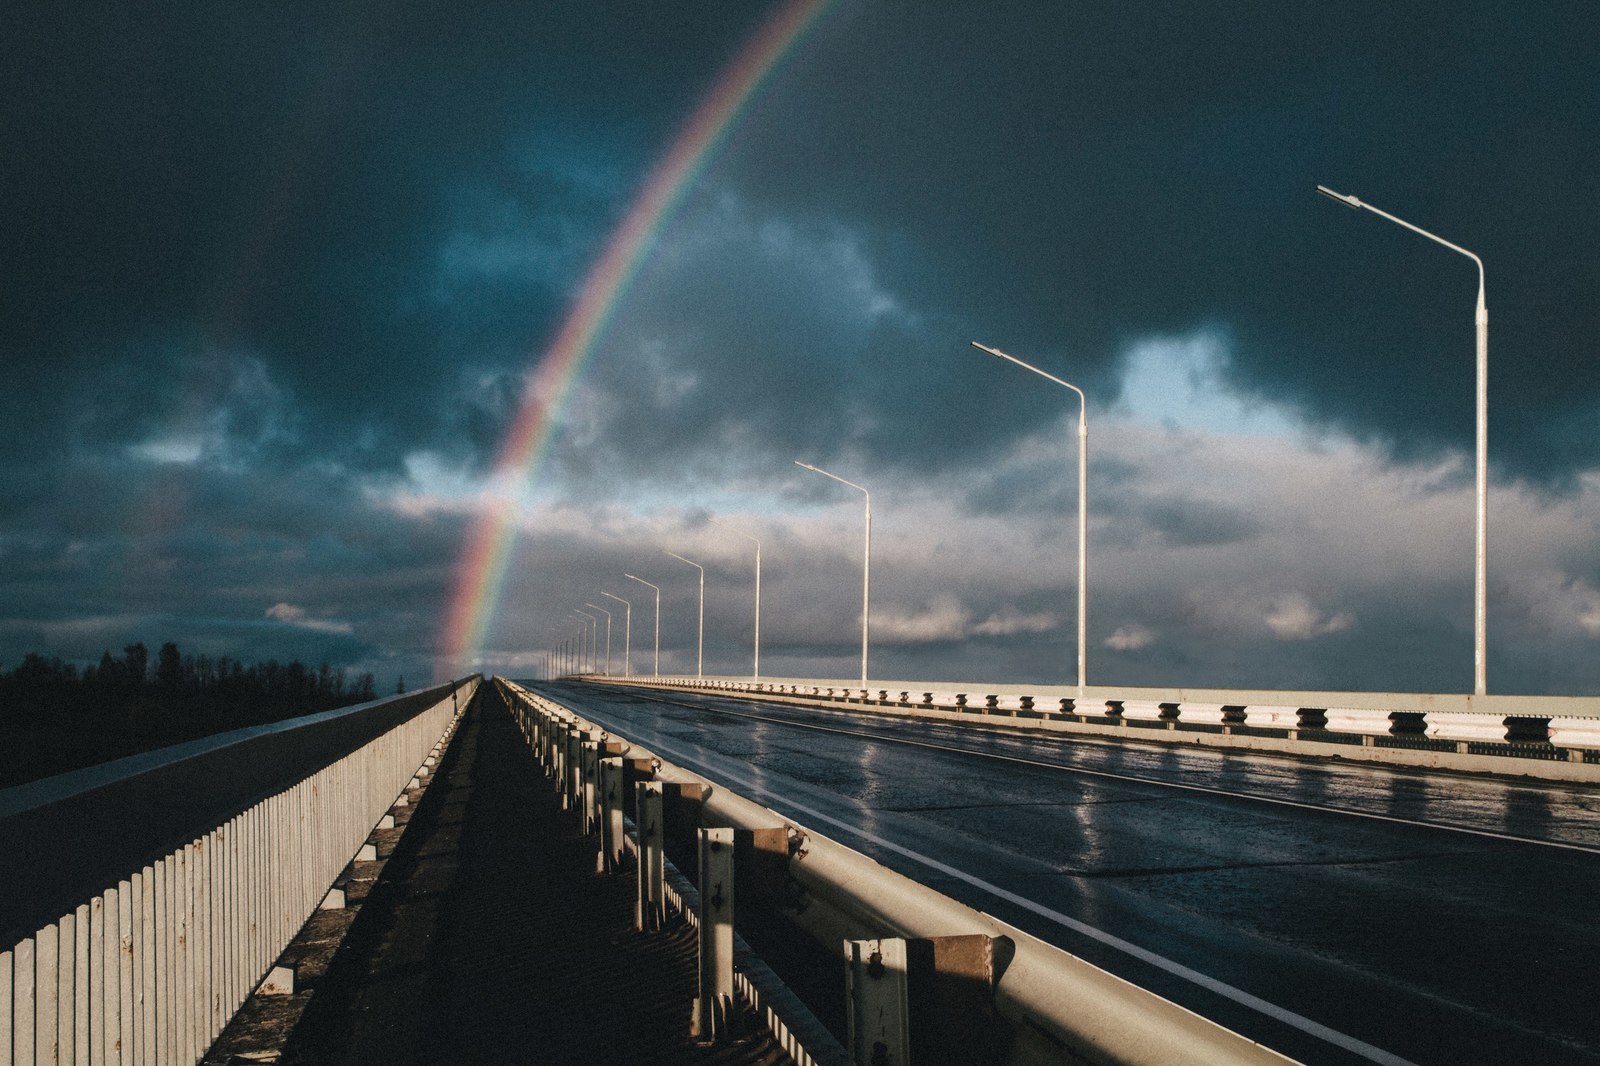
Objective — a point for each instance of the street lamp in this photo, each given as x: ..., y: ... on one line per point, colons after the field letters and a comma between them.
x: 1083, y: 507
x: 594, y: 640
x: 866, y: 565
x: 591, y: 637
x: 700, y: 649
x: 642, y: 581
x: 607, y: 613
x: 1480, y: 608
x: 756, y: 670
x: 583, y: 639
x: 627, y: 634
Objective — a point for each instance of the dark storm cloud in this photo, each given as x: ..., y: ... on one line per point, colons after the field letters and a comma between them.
x: 210, y: 180
x: 134, y: 550
x: 271, y: 283
x: 1065, y: 178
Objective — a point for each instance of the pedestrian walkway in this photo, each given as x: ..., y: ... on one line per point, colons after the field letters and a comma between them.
x: 489, y: 938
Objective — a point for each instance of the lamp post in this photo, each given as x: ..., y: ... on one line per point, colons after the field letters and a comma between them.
x: 700, y: 647
x: 755, y: 674
x: 586, y: 641
x: 642, y: 581
x: 583, y: 642
x: 594, y: 641
x: 866, y: 564
x: 1083, y: 508
x: 627, y: 634
x: 607, y: 613
x: 1480, y: 602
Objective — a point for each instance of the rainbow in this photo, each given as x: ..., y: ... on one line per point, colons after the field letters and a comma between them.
x: 481, y: 570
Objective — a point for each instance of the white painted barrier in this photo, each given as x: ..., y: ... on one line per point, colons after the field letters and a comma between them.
x: 151, y: 968
x: 1575, y: 732
x: 1143, y: 710
x: 1469, y: 727
x: 1359, y: 720
x: 1202, y: 713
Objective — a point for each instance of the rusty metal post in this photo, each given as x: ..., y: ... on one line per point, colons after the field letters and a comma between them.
x: 879, y: 1008
x: 650, y: 910
x: 713, y: 1010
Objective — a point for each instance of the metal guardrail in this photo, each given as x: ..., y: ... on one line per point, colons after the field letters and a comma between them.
x: 144, y: 899
x: 1554, y: 737
x: 1026, y: 1001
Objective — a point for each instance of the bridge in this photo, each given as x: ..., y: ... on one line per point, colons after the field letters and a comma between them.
x: 726, y: 870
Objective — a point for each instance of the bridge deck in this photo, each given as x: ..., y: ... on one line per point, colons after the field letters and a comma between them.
x: 489, y: 938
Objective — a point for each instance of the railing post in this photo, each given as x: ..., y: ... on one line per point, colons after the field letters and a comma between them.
x: 588, y: 794
x: 879, y: 1009
x: 571, y: 764
x: 650, y: 910
x: 713, y: 1010
x: 611, y: 831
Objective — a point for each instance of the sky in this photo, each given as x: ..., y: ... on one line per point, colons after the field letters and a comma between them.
x: 276, y: 287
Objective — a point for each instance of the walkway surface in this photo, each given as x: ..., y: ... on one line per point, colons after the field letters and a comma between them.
x: 489, y: 938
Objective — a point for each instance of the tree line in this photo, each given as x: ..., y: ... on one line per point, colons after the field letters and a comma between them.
x: 59, y: 717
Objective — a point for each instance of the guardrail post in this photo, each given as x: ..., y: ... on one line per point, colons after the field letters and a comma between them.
x: 650, y: 910
x: 549, y: 729
x: 571, y: 766
x: 588, y: 771
x: 713, y: 1010
x: 879, y: 1007
x: 611, y: 832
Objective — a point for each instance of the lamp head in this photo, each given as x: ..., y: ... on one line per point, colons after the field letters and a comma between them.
x: 1348, y: 201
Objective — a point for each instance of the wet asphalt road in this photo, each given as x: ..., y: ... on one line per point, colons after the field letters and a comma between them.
x: 1337, y: 913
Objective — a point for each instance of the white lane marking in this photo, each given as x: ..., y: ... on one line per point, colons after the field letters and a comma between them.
x: 1278, y: 801
x: 1161, y: 962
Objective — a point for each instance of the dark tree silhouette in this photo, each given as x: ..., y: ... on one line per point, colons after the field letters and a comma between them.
x: 59, y: 719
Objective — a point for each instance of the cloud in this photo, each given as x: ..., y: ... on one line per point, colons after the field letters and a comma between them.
x: 1012, y: 622
x: 296, y: 616
x: 1292, y: 617
x: 1132, y: 637
x: 943, y: 620
x: 262, y: 345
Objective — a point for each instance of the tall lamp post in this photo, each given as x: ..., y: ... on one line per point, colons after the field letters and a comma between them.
x: 756, y: 669
x: 700, y: 647
x: 594, y: 640
x: 607, y: 613
x: 627, y: 634
x: 591, y: 639
x: 1083, y: 508
x: 1480, y: 602
x: 583, y: 640
x: 866, y: 564
x: 642, y: 581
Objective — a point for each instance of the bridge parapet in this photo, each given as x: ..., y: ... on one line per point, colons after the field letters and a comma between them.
x: 147, y: 897
x: 1555, y: 737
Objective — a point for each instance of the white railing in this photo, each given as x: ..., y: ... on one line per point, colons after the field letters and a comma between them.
x: 150, y: 966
